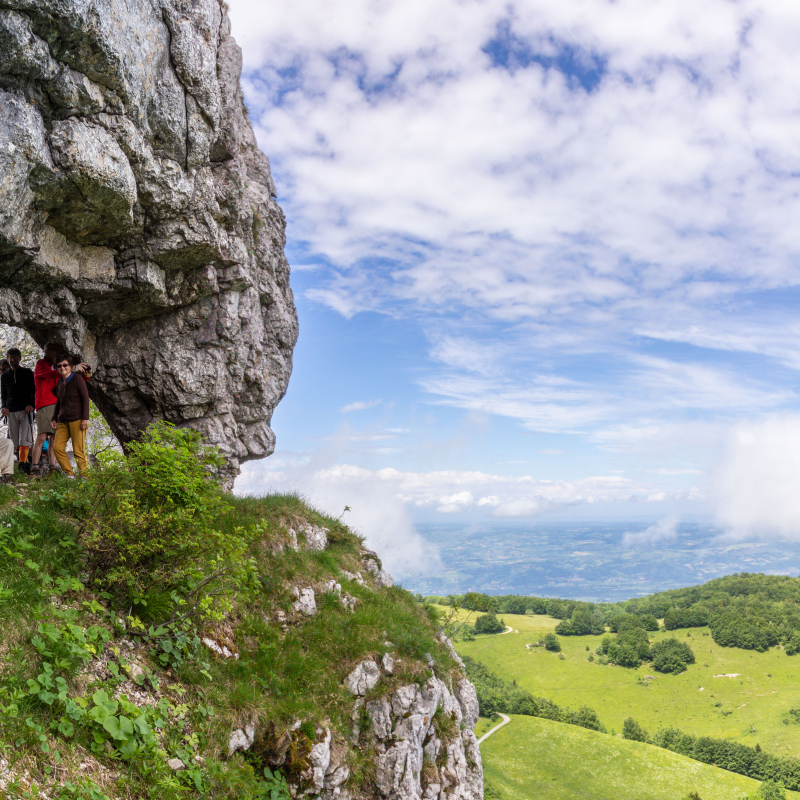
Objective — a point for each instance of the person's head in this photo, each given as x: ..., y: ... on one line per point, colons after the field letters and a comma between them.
x: 63, y: 365
x: 4, y: 365
x: 14, y: 357
x: 51, y: 352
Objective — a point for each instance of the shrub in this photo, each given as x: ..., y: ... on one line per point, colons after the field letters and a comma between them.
x: 631, y: 729
x: 488, y: 623
x: 771, y: 790
x: 149, y: 516
x: 551, y: 643
x: 672, y: 656
x: 628, y: 649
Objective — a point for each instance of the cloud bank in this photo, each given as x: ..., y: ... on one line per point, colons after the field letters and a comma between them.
x: 757, y: 487
x: 578, y: 201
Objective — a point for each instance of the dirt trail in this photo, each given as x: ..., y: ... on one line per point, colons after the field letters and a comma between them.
x: 488, y: 733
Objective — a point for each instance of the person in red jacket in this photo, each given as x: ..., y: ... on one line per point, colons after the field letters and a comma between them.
x: 46, y: 376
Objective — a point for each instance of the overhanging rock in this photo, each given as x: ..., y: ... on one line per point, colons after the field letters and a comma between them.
x: 138, y: 222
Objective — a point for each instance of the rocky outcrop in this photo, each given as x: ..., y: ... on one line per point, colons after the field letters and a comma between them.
x: 138, y: 222
x: 422, y: 735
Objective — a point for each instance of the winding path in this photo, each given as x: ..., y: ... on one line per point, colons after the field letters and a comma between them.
x: 488, y: 733
x: 508, y: 629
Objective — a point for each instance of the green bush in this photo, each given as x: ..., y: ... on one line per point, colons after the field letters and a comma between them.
x: 630, y: 647
x: 149, y: 516
x: 551, y: 643
x: 488, y: 623
x: 671, y: 655
x: 631, y: 729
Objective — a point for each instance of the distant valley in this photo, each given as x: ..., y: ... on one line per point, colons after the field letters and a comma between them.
x: 588, y: 562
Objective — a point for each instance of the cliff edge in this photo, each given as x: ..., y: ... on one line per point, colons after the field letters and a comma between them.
x: 138, y: 222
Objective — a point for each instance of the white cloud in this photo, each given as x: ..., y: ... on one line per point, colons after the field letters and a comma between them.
x: 663, y: 531
x: 610, y: 262
x: 385, y: 491
x: 376, y: 511
x: 758, y: 478
x: 360, y: 405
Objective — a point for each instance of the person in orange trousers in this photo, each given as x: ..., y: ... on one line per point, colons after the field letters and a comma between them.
x: 70, y: 417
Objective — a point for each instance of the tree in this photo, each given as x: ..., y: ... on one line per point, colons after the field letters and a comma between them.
x: 631, y: 729
x: 672, y: 656
x: 650, y: 622
x: 771, y: 790
x: 488, y: 623
x: 551, y: 643
x: 475, y: 601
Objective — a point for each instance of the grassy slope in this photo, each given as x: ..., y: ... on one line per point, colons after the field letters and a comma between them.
x: 670, y: 700
x: 537, y: 758
x: 283, y: 673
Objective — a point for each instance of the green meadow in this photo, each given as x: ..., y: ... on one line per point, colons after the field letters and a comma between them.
x: 751, y: 708
x: 536, y: 758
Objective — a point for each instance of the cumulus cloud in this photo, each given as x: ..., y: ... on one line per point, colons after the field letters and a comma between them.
x: 549, y: 188
x: 756, y: 484
x: 662, y: 532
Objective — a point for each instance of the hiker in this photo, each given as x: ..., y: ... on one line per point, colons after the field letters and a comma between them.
x: 17, y: 395
x: 46, y: 377
x: 70, y: 416
x: 6, y: 460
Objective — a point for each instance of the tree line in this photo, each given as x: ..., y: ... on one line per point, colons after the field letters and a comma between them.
x: 752, y: 762
x: 751, y: 611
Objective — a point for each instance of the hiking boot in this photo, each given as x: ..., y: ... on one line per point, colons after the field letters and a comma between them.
x: 35, y: 471
x: 4, y: 479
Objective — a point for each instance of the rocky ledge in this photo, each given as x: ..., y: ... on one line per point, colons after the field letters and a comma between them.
x: 138, y: 222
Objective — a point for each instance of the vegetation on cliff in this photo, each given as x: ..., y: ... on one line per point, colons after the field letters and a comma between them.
x: 149, y: 619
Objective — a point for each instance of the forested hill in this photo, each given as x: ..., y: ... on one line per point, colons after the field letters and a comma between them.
x: 748, y: 610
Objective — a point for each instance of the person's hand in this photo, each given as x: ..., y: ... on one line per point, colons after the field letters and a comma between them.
x: 84, y: 424
x: 85, y: 367
x: 53, y: 424
x: 4, y: 412
x: 29, y: 409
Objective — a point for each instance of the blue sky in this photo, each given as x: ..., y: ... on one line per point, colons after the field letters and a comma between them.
x: 545, y: 257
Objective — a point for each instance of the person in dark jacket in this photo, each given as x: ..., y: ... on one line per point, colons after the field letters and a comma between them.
x: 17, y: 392
x: 70, y: 416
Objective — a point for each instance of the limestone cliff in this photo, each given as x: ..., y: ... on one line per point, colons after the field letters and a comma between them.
x: 138, y: 222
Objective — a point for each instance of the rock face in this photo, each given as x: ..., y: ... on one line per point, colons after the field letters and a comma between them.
x: 423, y: 737
x: 138, y: 225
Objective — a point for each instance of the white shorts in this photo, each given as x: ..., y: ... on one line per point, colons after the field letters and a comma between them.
x: 19, y: 429
x: 6, y: 457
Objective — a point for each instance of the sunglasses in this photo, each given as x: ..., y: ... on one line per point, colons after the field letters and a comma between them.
x: 62, y: 366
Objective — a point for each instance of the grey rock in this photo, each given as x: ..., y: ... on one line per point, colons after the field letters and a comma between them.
x: 176, y: 764
x: 305, y: 602
x: 348, y: 602
x: 316, y: 537
x: 353, y: 576
x: 388, y: 664
x: 363, y: 678
x: 320, y: 758
x: 372, y: 565
x: 241, y: 739
x: 138, y: 225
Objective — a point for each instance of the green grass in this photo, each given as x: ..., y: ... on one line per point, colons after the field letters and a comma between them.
x: 536, y: 758
x: 289, y: 668
x: 752, y: 699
